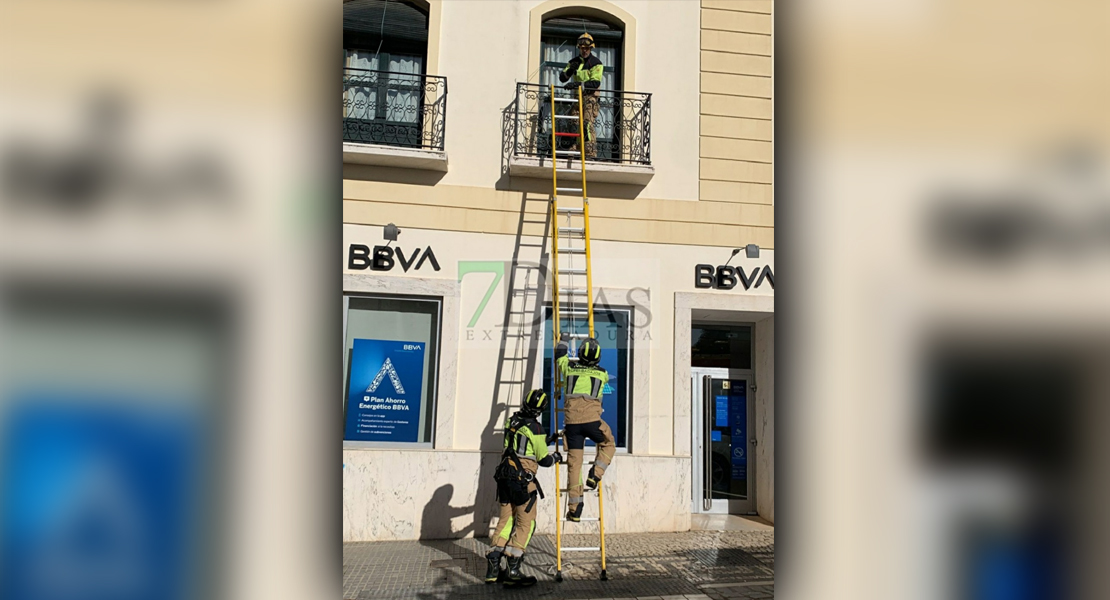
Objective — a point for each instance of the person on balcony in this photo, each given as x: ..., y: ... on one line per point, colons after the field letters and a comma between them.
x: 585, y: 71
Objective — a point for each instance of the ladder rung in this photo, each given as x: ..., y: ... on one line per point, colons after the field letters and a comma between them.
x: 574, y: 291
x: 582, y: 549
x: 572, y: 271
x: 559, y: 189
x: 575, y: 117
x: 572, y: 230
x: 580, y: 336
x: 582, y: 520
x: 574, y: 100
x: 571, y: 211
x: 566, y: 152
x: 572, y: 251
x: 562, y: 134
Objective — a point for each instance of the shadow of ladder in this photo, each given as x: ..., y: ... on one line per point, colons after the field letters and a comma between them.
x: 524, y: 315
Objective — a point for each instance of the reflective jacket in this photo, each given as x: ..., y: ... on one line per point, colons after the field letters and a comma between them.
x: 581, y: 379
x: 528, y: 439
x: 587, y: 72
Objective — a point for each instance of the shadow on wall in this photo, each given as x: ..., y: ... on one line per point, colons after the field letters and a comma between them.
x: 510, y: 380
x: 435, y: 522
x: 535, y: 185
x: 392, y: 175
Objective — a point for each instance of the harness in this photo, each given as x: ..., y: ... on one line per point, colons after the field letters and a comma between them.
x: 511, y: 476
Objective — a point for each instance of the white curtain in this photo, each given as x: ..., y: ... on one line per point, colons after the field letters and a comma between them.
x: 359, y: 101
x: 406, y: 88
x: 402, y: 101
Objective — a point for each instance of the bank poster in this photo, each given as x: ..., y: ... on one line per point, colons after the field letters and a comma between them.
x: 101, y: 493
x: 738, y: 406
x: 610, y: 362
x: 384, y: 393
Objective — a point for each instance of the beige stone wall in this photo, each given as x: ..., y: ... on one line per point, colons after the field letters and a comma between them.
x: 669, y: 35
x: 737, y: 110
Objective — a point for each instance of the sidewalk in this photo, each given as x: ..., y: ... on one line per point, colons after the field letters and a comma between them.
x: 699, y: 565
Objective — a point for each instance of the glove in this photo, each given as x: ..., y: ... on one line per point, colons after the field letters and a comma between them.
x: 564, y: 337
x: 558, y: 457
x: 554, y: 435
x: 572, y: 85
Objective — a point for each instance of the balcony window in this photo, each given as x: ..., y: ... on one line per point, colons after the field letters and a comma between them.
x: 623, y: 125
x: 388, y: 98
x: 559, y: 37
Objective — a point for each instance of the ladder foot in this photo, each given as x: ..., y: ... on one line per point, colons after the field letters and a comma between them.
x: 558, y: 576
x: 604, y: 575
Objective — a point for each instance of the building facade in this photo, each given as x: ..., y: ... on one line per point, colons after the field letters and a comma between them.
x: 447, y: 313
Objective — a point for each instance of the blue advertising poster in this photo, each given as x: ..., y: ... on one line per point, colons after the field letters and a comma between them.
x: 100, y: 497
x: 606, y: 332
x: 383, y: 402
x: 722, y: 412
x: 738, y: 409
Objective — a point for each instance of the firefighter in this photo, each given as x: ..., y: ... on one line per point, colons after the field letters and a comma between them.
x: 517, y: 488
x: 585, y: 71
x: 584, y: 384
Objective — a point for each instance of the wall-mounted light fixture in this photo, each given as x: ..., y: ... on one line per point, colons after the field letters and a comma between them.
x: 751, y: 251
x: 391, y: 232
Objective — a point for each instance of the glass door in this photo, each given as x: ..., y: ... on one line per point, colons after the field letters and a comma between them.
x: 723, y: 440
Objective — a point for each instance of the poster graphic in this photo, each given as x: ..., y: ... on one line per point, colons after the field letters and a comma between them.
x: 722, y: 412
x: 384, y: 393
x: 100, y: 496
x: 738, y: 407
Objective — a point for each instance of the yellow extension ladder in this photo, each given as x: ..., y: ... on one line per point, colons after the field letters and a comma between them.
x: 567, y: 299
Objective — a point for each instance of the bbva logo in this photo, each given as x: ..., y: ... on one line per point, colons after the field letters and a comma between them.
x: 725, y: 277
x: 359, y: 258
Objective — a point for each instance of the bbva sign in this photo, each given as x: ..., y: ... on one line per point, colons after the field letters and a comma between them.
x: 725, y: 277
x: 384, y: 258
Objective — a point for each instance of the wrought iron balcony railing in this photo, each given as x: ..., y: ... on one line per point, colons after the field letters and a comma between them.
x: 394, y: 109
x: 622, y: 126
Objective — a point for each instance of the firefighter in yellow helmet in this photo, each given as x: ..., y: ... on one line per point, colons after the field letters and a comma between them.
x: 584, y: 385
x: 585, y: 71
x: 517, y: 487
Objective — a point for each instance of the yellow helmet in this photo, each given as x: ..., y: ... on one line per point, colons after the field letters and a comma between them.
x: 586, y: 40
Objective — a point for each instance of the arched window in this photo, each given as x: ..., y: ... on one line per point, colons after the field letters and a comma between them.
x: 558, y: 40
x: 385, y: 48
x: 558, y: 37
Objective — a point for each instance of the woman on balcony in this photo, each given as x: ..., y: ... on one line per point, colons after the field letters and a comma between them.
x: 585, y: 71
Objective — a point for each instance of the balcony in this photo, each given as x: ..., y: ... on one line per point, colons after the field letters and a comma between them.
x: 394, y: 119
x: 623, y: 129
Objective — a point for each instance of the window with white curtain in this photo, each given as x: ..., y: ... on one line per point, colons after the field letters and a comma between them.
x: 385, y: 48
x: 558, y: 39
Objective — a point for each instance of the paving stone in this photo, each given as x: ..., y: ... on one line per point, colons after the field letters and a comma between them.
x: 640, y: 566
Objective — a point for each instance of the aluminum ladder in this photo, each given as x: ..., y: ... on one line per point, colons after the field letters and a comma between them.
x: 567, y: 298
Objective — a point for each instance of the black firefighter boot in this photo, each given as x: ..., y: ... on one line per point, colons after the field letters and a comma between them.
x: 516, y: 578
x: 592, y: 479
x: 493, y: 571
